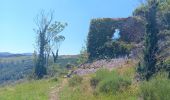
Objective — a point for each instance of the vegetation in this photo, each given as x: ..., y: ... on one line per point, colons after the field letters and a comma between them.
x: 56, y: 73
x: 40, y: 68
x: 75, y: 80
x: 110, y: 82
x: 157, y: 88
x: 21, y: 67
x: 151, y: 41
x: 15, y: 68
x: 160, y: 25
x: 96, y: 39
x: 89, y: 88
x: 48, y: 41
x: 83, y: 57
x: 31, y: 90
x: 100, y: 42
x: 117, y: 49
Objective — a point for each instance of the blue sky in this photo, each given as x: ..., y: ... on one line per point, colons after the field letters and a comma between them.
x: 17, y: 20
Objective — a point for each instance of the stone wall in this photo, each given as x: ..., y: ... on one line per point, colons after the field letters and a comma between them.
x: 132, y: 30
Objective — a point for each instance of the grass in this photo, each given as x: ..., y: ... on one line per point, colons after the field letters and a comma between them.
x: 32, y: 90
x: 75, y: 80
x: 82, y: 88
x: 157, y: 88
x: 85, y: 91
x: 109, y: 82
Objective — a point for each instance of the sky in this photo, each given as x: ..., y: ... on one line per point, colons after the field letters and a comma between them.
x: 17, y: 21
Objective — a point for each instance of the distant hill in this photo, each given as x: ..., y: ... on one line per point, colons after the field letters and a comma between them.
x: 7, y: 54
x: 4, y: 54
x: 18, y: 66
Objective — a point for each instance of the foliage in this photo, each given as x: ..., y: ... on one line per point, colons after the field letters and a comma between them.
x: 48, y: 41
x: 43, y: 23
x: 101, y: 34
x: 140, y: 11
x: 167, y: 66
x: 94, y: 82
x: 151, y: 42
x: 117, y: 49
x: 59, y: 68
x: 21, y: 67
x: 15, y: 68
x: 128, y: 71
x: 54, y: 39
x: 75, y: 80
x: 56, y: 70
x: 98, y: 36
x: 109, y: 82
x: 83, y: 57
x: 85, y: 90
x: 162, y: 19
x: 157, y: 88
x: 63, y: 60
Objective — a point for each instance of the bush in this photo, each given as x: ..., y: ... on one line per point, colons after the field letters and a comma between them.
x: 109, y: 82
x: 83, y: 57
x: 75, y: 80
x: 94, y: 82
x: 56, y: 70
x: 113, y: 85
x: 55, y: 79
x: 156, y: 89
x: 117, y: 48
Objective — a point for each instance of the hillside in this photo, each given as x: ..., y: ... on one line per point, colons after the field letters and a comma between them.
x: 15, y: 68
x: 84, y: 87
x: 43, y: 89
x: 20, y: 66
x: 125, y: 55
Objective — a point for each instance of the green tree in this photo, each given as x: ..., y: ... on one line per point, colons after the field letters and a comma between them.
x: 163, y: 23
x: 83, y: 57
x: 48, y: 41
x: 42, y: 23
x: 54, y: 39
x: 151, y: 40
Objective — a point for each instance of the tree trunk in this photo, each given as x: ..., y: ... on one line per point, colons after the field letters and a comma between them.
x: 55, y: 56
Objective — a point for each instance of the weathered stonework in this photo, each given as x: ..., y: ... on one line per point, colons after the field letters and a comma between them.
x: 132, y: 30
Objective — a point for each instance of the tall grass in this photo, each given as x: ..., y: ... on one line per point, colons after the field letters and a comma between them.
x: 75, y: 80
x: 32, y: 90
x: 157, y: 88
x: 110, y: 82
x: 89, y: 88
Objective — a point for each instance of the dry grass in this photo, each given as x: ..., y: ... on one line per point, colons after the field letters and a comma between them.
x: 85, y: 92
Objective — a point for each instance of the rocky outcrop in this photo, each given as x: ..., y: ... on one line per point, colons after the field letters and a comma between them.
x: 89, y: 68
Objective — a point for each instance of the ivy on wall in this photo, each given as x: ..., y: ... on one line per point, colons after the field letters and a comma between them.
x: 101, y: 33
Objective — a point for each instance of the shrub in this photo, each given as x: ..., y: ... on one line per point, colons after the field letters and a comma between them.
x: 100, y: 75
x: 109, y: 82
x: 117, y: 48
x: 75, y: 80
x: 83, y: 57
x: 55, y: 79
x: 94, y: 82
x: 156, y: 89
x: 56, y: 70
x: 113, y: 84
